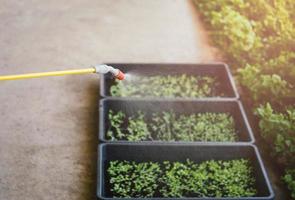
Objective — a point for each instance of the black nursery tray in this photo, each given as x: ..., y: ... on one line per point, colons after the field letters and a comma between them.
x: 218, y: 70
x: 180, y: 153
x: 148, y: 107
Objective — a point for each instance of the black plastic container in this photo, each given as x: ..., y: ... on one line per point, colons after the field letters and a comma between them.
x: 131, y: 106
x: 218, y: 70
x: 172, y: 152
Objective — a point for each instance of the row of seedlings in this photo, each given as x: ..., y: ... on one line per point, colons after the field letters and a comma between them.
x: 176, y: 131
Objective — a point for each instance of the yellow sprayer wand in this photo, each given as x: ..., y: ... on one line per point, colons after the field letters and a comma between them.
x: 99, y: 69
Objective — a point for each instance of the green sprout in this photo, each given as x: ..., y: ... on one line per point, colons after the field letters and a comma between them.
x: 136, y: 130
x: 116, y: 122
x: 168, y: 126
x: 232, y: 178
x: 130, y: 179
x: 167, y: 86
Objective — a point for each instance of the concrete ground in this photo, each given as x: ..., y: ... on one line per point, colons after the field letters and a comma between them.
x: 48, y: 135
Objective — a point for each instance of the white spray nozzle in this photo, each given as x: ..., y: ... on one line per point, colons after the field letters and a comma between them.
x: 103, y: 69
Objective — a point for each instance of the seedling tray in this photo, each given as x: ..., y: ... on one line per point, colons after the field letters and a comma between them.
x: 218, y: 70
x: 148, y: 107
x: 180, y: 153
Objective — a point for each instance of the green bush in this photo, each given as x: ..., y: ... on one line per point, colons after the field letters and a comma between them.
x: 261, y: 86
x: 279, y: 129
x: 166, y: 86
x: 233, y: 178
x: 256, y: 33
x: 167, y: 126
x: 289, y: 179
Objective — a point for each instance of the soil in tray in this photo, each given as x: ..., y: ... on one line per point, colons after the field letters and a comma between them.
x: 167, y: 86
x: 167, y: 126
x: 232, y: 178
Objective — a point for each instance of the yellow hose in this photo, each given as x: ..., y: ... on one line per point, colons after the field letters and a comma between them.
x: 44, y: 74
